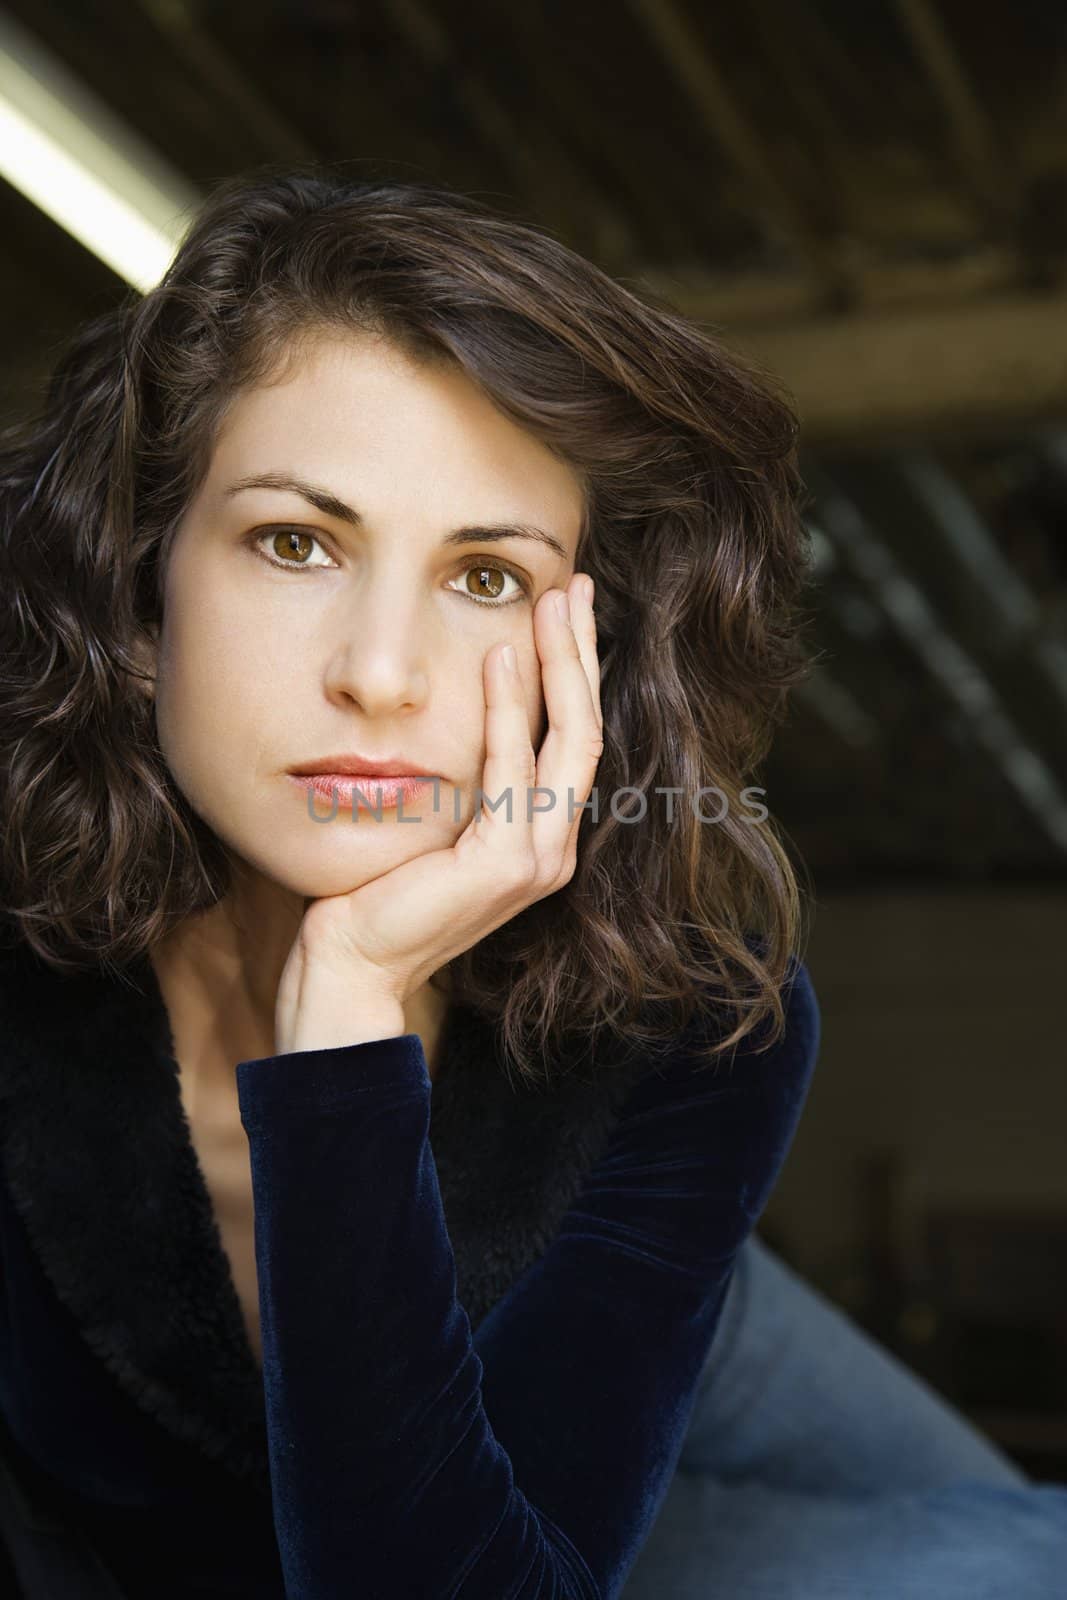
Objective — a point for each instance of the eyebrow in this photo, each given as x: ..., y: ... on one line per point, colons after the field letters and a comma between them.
x: 330, y: 506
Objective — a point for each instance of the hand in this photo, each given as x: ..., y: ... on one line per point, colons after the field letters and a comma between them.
x: 358, y: 956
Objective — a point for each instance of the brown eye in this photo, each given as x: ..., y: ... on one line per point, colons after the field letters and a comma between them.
x: 488, y: 581
x: 291, y: 548
x: 292, y: 542
x: 483, y: 584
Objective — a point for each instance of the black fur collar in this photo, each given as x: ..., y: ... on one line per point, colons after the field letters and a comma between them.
x: 99, y: 1161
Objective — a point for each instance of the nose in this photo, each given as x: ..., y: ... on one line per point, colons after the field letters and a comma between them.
x: 378, y: 656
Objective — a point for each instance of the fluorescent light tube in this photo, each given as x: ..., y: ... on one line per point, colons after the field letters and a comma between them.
x: 70, y: 155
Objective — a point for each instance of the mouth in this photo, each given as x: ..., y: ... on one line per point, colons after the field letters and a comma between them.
x: 377, y: 789
x: 353, y: 765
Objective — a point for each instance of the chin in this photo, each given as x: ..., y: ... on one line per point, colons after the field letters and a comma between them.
x: 318, y: 869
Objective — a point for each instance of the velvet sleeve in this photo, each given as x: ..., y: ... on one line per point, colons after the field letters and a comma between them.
x: 528, y: 1462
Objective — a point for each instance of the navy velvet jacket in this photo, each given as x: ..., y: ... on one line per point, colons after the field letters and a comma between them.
x: 442, y: 1410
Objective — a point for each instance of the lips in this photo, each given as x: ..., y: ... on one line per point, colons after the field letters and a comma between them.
x: 355, y: 765
x: 339, y: 789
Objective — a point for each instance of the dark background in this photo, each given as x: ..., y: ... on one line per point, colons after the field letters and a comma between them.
x: 872, y: 200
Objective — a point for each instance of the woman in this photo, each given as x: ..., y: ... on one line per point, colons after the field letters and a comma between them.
x: 301, y: 514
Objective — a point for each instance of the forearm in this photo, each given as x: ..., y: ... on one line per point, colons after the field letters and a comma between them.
x: 386, y: 1476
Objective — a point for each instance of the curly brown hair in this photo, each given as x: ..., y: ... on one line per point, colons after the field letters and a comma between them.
x: 693, y: 533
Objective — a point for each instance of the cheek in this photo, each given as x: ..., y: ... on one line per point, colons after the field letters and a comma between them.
x: 216, y: 680
x: 460, y: 699
x: 533, y: 693
x: 538, y: 717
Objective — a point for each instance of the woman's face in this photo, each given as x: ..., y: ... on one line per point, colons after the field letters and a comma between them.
x: 366, y: 636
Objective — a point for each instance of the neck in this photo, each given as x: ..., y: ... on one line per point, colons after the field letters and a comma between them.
x: 219, y: 986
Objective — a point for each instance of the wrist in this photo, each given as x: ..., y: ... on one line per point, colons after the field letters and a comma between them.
x: 333, y: 1014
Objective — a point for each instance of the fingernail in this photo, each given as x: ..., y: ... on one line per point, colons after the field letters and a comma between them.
x: 511, y: 660
x: 590, y: 590
x: 563, y: 606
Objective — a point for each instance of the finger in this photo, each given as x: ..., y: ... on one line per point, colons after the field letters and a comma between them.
x: 510, y: 764
x: 583, y: 623
x: 567, y: 760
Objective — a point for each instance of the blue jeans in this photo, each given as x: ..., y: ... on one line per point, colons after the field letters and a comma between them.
x: 816, y: 1466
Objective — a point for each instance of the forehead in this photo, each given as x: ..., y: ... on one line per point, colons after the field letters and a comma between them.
x: 382, y: 427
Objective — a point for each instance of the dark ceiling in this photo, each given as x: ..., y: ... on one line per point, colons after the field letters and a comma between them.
x: 870, y: 198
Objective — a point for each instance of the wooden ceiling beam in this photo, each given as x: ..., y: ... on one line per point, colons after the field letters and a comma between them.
x: 212, y: 68
x: 979, y: 154
x: 902, y: 370
x: 547, y: 172
x: 707, y: 87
